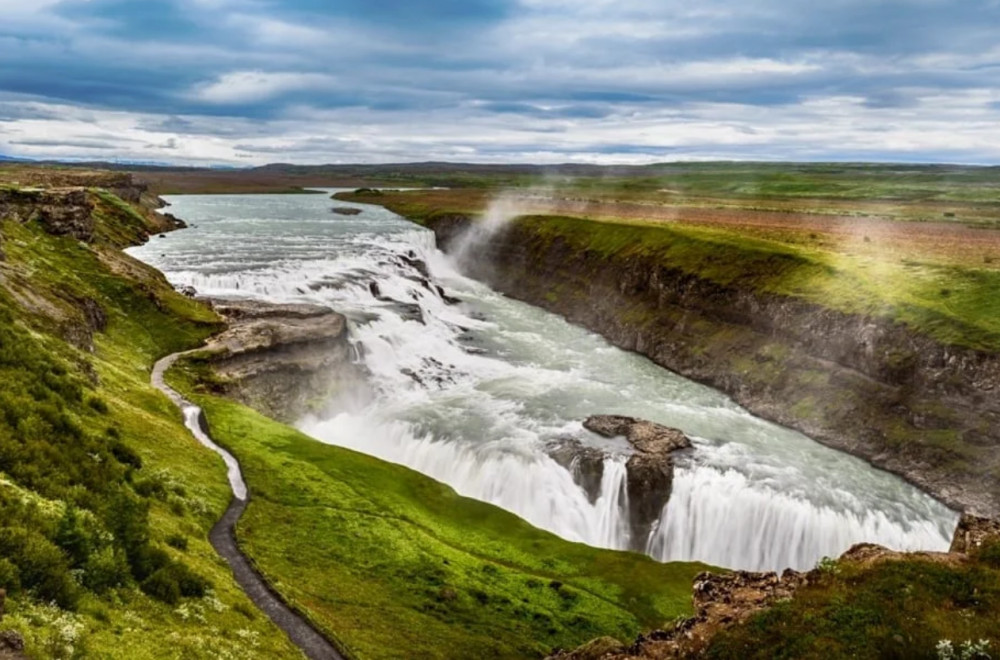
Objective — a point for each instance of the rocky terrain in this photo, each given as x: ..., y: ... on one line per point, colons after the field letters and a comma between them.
x: 857, y: 383
x: 283, y: 360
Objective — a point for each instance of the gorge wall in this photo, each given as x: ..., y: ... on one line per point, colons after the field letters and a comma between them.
x: 861, y: 384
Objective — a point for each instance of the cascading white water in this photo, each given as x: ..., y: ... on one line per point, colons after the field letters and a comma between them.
x: 472, y: 395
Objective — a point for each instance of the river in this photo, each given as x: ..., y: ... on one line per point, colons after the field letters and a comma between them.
x: 472, y: 393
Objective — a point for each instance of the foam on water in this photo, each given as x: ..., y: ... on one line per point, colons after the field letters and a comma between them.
x: 471, y: 394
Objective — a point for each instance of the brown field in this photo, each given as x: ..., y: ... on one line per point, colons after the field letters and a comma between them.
x: 867, y: 229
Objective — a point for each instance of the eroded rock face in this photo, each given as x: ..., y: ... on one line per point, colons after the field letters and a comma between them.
x: 878, y: 376
x: 972, y: 532
x: 586, y: 464
x: 283, y: 360
x: 61, y: 211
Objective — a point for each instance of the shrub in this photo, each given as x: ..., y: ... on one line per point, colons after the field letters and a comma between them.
x: 989, y: 553
x: 124, y: 454
x: 178, y: 541
x: 151, y: 487
x: 173, y: 581
x: 73, y: 537
x: 42, y: 567
x: 148, y: 560
x: 106, y: 569
x: 9, y: 578
x: 162, y: 586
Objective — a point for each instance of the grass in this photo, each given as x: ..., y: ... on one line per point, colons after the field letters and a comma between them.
x: 896, y: 609
x: 395, y: 564
x: 97, y: 472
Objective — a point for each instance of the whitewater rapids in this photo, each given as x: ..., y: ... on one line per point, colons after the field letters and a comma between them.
x: 471, y: 394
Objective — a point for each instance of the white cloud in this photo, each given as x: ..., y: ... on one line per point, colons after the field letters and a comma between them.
x: 253, y: 86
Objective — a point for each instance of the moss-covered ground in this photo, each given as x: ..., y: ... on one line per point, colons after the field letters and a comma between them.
x: 396, y: 565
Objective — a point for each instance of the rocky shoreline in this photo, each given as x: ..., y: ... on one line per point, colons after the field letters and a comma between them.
x: 858, y: 384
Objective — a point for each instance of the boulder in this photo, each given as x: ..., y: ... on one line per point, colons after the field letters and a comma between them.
x: 646, y: 437
x: 346, y: 210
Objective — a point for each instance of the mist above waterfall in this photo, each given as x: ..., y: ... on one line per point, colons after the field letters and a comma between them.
x: 502, y: 209
x: 473, y: 393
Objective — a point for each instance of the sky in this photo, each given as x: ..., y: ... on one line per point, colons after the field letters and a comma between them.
x: 248, y: 82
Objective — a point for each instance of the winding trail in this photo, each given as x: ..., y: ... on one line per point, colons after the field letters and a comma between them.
x: 223, y: 534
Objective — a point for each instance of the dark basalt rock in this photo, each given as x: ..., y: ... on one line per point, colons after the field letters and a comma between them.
x: 650, y: 470
x: 586, y: 464
x: 419, y: 265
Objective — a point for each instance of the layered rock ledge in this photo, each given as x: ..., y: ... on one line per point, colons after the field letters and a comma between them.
x: 284, y: 360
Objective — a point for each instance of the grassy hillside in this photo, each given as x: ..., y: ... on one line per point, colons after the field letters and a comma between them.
x: 396, y: 565
x: 910, y: 609
x: 105, y: 499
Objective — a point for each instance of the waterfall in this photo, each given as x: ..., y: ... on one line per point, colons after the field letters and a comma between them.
x: 473, y: 394
x: 721, y: 518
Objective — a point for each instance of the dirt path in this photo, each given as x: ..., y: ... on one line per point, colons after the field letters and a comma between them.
x: 223, y: 534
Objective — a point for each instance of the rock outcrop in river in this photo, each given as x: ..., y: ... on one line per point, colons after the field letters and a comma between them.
x: 650, y: 468
x: 282, y: 360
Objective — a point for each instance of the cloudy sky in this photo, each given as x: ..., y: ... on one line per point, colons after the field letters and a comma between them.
x: 247, y: 82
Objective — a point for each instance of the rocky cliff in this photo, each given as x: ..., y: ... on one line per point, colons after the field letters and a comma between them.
x: 282, y: 360
x: 861, y: 384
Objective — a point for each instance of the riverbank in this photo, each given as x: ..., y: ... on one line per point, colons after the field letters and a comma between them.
x: 794, y: 338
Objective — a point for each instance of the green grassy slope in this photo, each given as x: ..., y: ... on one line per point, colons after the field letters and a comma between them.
x: 396, y: 565
x: 105, y: 499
